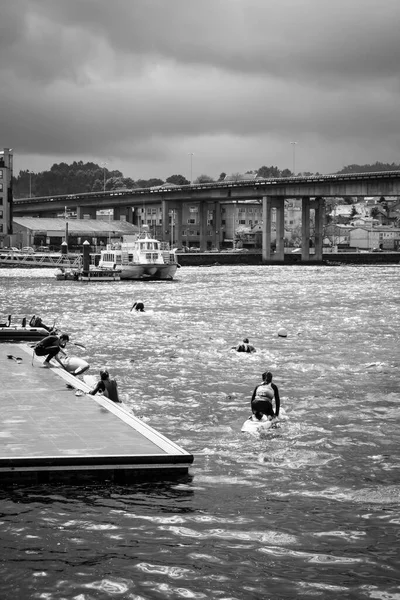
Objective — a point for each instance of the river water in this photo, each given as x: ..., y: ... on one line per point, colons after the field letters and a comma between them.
x: 309, y: 510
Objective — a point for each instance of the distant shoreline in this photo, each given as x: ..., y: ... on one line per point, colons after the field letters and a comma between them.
x: 188, y: 259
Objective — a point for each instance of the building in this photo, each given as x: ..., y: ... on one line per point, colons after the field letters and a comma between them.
x: 240, y: 221
x: 37, y: 232
x: 6, y: 198
x: 368, y: 238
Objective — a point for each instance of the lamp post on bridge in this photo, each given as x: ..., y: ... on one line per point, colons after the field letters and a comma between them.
x: 104, y: 164
x: 294, y: 157
x: 191, y: 154
x: 30, y: 183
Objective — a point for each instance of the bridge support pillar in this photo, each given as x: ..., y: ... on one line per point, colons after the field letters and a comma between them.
x: 305, y: 229
x: 166, y: 230
x: 123, y: 211
x: 266, y: 227
x: 279, y: 205
x: 85, y: 212
x: 178, y: 226
x: 217, y: 225
x: 318, y: 205
x: 203, y: 210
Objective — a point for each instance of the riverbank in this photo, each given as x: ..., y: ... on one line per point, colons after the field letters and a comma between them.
x: 203, y: 259
x: 197, y: 259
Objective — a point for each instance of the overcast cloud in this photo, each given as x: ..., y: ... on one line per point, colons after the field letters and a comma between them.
x: 141, y: 84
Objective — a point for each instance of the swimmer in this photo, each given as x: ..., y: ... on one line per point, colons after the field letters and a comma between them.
x: 138, y: 306
x: 245, y: 346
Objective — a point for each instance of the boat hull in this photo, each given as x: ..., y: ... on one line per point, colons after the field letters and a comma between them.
x: 160, y: 272
x: 22, y: 334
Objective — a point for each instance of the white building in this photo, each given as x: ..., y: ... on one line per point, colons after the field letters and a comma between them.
x: 6, y: 172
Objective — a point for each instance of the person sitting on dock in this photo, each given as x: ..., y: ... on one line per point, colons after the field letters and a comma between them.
x: 50, y: 346
x: 261, y: 400
x: 138, y: 306
x: 7, y: 323
x: 107, y: 386
x: 245, y: 346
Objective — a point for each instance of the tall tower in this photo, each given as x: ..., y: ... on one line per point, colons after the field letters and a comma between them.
x: 6, y: 195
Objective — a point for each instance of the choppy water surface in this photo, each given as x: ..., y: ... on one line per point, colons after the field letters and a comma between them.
x: 309, y: 511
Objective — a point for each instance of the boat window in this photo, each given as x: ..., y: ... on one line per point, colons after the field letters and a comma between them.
x: 148, y: 255
x: 118, y: 259
x: 130, y: 257
x: 155, y: 256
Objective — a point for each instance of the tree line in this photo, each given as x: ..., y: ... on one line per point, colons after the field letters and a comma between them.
x: 80, y: 177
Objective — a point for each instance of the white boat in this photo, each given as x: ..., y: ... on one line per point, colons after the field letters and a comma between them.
x: 143, y: 258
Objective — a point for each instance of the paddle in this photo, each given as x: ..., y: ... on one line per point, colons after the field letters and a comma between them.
x: 79, y: 345
x: 74, y: 343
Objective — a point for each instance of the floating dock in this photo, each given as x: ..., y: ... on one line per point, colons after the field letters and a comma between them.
x: 51, y: 432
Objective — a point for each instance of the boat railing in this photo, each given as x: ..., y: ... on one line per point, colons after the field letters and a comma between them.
x: 169, y: 257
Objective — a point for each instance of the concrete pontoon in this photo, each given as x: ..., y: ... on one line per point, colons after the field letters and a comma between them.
x: 48, y: 433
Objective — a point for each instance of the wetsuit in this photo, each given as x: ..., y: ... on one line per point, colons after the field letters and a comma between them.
x: 49, y: 346
x: 261, y: 400
x: 245, y: 348
x: 109, y: 389
x: 138, y: 306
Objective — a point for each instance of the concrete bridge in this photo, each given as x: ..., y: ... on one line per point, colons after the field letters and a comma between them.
x: 210, y: 196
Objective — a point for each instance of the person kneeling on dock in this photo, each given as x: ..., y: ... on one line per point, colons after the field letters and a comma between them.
x: 50, y: 346
x: 107, y: 386
x: 138, y: 306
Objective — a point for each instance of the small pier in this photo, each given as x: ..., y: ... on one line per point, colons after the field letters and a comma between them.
x: 52, y: 431
x: 37, y: 260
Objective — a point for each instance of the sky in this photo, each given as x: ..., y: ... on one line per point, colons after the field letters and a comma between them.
x: 155, y: 88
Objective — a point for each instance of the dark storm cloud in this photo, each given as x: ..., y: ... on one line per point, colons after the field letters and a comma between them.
x: 136, y: 76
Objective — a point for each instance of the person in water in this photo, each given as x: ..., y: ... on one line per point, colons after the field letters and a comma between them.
x: 138, y: 306
x: 245, y: 346
x: 263, y: 395
x: 50, y: 346
x: 107, y: 386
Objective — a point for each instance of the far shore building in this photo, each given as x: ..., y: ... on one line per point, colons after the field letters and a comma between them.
x: 6, y: 174
x: 37, y: 232
x: 368, y: 238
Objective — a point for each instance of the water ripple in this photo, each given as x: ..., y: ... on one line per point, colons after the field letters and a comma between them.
x: 308, y: 509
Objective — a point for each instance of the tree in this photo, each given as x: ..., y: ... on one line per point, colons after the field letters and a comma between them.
x: 178, y: 180
x: 146, y: 183
x: 222, y: 176
x: 376, y: 167
x: 204, y: 179
x: 268, y: 172
x: 353, y: 212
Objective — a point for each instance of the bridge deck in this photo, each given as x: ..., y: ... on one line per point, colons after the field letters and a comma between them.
x: 48, y: 433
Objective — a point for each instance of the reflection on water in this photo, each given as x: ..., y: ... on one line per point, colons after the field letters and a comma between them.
x: 309, y: 510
